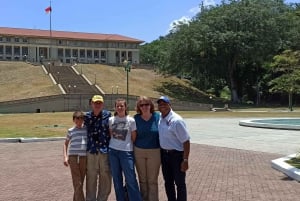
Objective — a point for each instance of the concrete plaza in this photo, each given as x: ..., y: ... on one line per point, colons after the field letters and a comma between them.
x: 228, y: 162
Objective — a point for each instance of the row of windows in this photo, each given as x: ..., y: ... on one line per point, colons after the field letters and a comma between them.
x: 10, y: 39
x: 17, y: 50
x: 97, y: 44
x: 82, y: 52
x: 73, y: 43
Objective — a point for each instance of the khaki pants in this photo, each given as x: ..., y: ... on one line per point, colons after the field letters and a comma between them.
x: 147, y: 163
x: 78, y: 171
x: 98, y: 170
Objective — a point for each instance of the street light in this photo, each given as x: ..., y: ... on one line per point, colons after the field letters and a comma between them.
x: 57, y: 77
x: 117, y: 89
x: 49, y: 64
x: 127, y: 66
x: 74, y: 89
x: 111, y: 96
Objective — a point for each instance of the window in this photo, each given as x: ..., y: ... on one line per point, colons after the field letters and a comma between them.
x: 67, y: 53
x: 103, y: 53
x: 82, y: 53
x: 121, y: 45
x: 25, y: 40
x: 112, y: 45
x: 60, y: 52
x: 25, y: 50
x: 17, y: 51
x: 42, y: 52
x: 89, y: 53
x: 8, y: 39
x: 8, y: 50
x: 96, y: 54
x: 75, y: 53
x: 1, y: 38
x: 17, y: 40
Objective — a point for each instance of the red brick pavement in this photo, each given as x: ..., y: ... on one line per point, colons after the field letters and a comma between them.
x: 35, y: 172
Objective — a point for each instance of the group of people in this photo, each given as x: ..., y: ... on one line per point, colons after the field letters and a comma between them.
x: 103, y: 147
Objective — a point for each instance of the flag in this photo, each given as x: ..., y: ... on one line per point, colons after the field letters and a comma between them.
x: 48, y: 9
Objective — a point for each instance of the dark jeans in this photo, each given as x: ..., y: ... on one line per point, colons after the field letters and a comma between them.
x: 170, y: 163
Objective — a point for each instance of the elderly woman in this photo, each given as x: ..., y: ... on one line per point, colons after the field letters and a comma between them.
x: 147, y: 149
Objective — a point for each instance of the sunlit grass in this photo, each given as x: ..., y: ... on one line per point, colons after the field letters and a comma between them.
x: 56, y: 124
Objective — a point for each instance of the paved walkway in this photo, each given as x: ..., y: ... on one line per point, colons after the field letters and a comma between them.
x: 227, y: 163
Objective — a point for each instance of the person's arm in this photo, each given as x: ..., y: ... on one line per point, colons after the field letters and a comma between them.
x: 133, y: 136
x: 186, y: 153
x: 109, y: 125
x: 110, y: 132
x: 65, y: 151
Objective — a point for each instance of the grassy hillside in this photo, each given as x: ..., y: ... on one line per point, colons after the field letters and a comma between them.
x: 19, y: 80
x: 141, y: 82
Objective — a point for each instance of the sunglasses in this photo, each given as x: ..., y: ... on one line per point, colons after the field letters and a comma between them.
x: 78, y: 117
x: 146, y: 104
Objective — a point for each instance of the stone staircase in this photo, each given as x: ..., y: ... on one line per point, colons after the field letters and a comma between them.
x: 71, y: 82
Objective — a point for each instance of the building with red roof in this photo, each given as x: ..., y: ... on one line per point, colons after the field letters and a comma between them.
x: 67, y: 47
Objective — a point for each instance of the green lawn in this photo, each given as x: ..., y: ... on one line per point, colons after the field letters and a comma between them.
x: 56, y: 124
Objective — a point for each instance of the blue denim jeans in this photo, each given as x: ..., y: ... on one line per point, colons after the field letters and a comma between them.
x: 170, y: 165
x: 122, y: 162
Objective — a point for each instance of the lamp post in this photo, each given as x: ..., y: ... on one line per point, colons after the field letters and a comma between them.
x: 75, y: 89
x: 58, y: 77
x: 117, y: 89
x: 69, y: 87
x: 49, y: 65
x: 111, y: 97
x: 127, y: 66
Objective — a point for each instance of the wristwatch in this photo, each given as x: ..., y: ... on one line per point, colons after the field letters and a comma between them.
x: 185, y: 160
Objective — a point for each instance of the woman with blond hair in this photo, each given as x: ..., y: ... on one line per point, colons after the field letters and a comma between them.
x: 147, y: 149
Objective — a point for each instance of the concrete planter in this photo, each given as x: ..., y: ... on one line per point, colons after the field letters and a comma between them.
x: 280, y: 165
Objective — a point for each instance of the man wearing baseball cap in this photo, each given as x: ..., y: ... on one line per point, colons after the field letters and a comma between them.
x: 175, y: 148
x: 98, y: 171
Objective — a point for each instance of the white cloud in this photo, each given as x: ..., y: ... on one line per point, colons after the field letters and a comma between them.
x: 193, y: 11
x: 173, y: 24
x: 209, y: 3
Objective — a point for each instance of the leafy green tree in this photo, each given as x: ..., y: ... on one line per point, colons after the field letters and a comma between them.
x: 228, y: 45
x: 241, y: 33
x: 286, y: 67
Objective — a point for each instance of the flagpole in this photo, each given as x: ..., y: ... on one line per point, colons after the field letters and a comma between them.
x: 50, y: 53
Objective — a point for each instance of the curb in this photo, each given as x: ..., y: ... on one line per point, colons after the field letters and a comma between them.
x: 26, y: 140
x: 280, y: 165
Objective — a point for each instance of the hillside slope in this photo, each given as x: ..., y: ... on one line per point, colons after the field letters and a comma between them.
x: 19, y: 80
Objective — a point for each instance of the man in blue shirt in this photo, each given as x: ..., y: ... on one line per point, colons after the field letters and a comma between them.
x: 98, y: 171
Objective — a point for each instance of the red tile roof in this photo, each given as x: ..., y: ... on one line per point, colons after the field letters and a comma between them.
x: 66, y: 35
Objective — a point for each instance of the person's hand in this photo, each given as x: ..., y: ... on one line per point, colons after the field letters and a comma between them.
x: 66, y: 162
x: 184, y: 166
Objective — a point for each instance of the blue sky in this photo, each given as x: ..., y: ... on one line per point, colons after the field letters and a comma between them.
x: 141, y: 19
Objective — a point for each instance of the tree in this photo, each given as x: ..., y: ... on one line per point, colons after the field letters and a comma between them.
x: 286, y: 66
x: 229, y: 44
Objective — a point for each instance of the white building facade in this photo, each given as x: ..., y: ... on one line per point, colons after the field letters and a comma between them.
x: 67, y: 47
